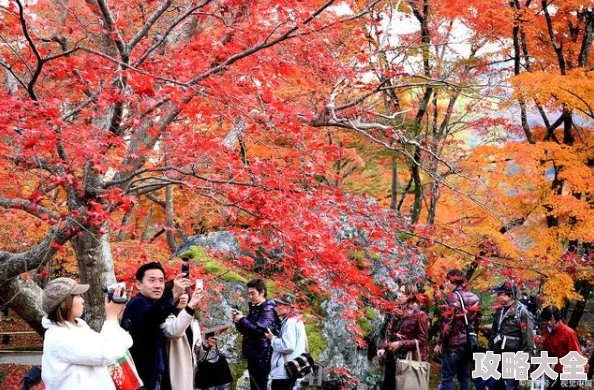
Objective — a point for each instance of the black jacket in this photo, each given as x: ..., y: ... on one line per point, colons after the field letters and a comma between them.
x: 253, y: 326
x: 512, y: 330
x: 143, y: 318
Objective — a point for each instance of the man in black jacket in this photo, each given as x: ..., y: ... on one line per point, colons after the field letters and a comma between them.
x: 143, y: 317
x: 512, y: 329
x: 255, y: 346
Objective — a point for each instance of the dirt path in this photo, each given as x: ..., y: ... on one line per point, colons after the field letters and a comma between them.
x: 29, y: 358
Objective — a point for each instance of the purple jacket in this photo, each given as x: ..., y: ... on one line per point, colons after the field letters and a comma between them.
x: 255, y: 345
x: 453, y: 331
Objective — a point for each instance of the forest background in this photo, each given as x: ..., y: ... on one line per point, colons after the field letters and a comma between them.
x: 459, y: 129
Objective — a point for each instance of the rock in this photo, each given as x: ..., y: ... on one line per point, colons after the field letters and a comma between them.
x: 340, y: 349
x: 220, y: 241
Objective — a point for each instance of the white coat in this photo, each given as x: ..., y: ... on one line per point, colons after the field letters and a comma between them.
x: 182, y: 357
x: 76, y: 357
x: 290, y: 344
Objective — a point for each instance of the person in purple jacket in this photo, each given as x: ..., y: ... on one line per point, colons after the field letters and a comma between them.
x: 255, y: 346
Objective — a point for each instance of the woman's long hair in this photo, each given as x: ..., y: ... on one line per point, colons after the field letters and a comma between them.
x: 411, y: 291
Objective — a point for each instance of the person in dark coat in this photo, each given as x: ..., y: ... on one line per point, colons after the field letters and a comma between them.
x: 255, y: 346
x: 512, y: 329
x: 402, y: 332
x: 143, y: 317
x: 452, y: 341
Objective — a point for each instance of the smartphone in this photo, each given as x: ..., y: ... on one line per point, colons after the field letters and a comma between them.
x: 209, y: 335
x: 185, y: 268
x: 199, y: 284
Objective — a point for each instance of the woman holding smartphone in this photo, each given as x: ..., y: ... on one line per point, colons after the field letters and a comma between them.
x: 184, y: 342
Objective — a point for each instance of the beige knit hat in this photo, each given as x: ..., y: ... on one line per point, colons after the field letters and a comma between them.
x: 58, y: 290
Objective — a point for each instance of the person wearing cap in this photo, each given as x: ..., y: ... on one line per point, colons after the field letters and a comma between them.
x: 288, y: 345
x: 452, y: 340
x: 74, y: 355
x: 512, y: 329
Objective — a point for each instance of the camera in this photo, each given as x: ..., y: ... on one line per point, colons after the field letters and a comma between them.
x: 109, y: 290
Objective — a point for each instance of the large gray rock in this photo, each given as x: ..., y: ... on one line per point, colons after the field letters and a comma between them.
x: 341, y: 350
x: 220, y: 241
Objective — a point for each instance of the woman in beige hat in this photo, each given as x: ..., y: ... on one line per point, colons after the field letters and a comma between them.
x: 74, y: 355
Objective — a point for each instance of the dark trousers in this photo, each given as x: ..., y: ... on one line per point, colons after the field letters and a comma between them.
x: 258, y: 370
x: 455, y: 363
x: 389, y: 382
x: 282, y: 384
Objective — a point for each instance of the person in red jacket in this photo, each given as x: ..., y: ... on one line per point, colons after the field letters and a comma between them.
x: 402, y: 332
x: 558, y: 340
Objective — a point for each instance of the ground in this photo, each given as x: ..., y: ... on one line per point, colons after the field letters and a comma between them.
x: 12, y: 374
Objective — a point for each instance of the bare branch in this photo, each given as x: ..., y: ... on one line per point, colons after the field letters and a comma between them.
x: 30, y: 207
x: 149, y: 24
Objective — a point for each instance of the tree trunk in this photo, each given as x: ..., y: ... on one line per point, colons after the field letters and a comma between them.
x: 169, y: 219
x: 24, y: 297
x: 433, y: 203
x: 394, y: 191
x: 585, y: 289
x: 95, y: 267
x: 416, y: 176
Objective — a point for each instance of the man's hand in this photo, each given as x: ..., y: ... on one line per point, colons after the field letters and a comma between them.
x: 237, y: 316
x: 381, y: 353
x: 437, y: 349
x: 196, y: 298
x: 268, y: 334
x: 180, y: 284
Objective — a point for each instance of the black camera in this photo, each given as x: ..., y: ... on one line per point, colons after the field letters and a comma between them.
x: 109, y: 291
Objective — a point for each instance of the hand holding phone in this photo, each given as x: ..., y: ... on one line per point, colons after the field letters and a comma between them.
x: 199, y: 284
x: 185, y: 268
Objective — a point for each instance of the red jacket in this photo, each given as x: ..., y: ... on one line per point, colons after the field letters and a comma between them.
x: 453, y: 331
x: 411, y: 326
x: 560, y: 342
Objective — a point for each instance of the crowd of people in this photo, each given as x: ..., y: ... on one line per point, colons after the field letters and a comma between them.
x: 512, y: 330
x: 158, y: 327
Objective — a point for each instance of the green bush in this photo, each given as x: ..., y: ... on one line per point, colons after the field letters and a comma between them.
x: 317, y: 344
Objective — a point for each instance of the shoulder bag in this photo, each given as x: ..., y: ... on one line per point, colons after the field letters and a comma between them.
x: 302, y: 364
x: 412, y: 374
x: 213, y: 370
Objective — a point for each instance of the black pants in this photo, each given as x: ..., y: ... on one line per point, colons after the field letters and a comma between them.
x: 258, y: 370
x: 389, y: 382
x: 283, y: 384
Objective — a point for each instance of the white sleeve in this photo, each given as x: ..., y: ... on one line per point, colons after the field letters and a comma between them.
x: 175, y: 327
x: 97, y: 349
x: 288, y: 341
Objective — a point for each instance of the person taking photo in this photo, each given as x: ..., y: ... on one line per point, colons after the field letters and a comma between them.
x: 74, y: 355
